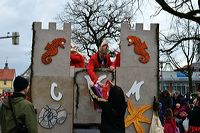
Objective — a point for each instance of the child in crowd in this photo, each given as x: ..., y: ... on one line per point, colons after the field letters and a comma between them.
x: 177, y: 109
x: 178, y: 112
x: 170, y: 123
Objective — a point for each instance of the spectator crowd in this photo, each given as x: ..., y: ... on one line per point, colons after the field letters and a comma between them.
x: 179, y: 113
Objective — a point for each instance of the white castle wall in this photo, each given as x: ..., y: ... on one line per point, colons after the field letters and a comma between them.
x: 59, y: 71
x: 131, y: 69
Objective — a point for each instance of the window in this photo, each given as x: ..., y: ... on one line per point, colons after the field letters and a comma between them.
x: 180, y: 87
x: 4, y: 82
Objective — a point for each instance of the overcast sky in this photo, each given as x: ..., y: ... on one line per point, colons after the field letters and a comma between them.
x: 18, y: 16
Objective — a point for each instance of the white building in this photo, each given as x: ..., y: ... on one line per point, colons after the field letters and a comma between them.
x: 173, y: 80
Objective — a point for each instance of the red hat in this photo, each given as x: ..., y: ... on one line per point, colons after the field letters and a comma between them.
x: 104, y: 43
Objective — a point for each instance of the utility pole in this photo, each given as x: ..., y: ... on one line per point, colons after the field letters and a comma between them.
x: 161, y: 75
x: 14, y: 36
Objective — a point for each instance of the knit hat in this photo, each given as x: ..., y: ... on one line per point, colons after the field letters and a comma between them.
x: 73, y: 49
x: 104, y: 43
x: 20, y: 84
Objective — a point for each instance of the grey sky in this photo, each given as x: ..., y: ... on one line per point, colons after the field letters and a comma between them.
x: 18, y: 16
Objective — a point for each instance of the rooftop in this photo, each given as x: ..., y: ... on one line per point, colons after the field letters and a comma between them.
x: 6, y: 73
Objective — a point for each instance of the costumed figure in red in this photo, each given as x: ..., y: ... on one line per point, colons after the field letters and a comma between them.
x: 101, y: 59
x: 76, y: 59
x: 117, y: 60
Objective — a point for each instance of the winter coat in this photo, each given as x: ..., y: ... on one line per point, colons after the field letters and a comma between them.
x: 170, y: 126
x: 117, y: 60
x: 194, y: 120
x: 112, y: 121
x: 179, y: 99
x: 167, y: 102
x: 95, y: 62
x: 24, y: 112
x: 77, y: 60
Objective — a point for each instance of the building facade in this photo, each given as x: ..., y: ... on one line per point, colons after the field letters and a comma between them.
x: 6, y: 79
x: 177, y: 81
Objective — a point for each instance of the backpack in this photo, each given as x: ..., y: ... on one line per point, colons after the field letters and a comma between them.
x: 20, y: 128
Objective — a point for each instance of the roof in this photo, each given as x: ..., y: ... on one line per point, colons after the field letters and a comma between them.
x: 7, y: 74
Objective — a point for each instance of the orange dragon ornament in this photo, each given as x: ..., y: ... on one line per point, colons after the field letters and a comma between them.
x: 139, y: 48
x: 52, y: 50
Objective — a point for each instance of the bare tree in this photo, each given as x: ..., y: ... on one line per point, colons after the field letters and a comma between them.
x: 188, y: 9
x: 187, y: 47
x: 94, y: 20
x: 185, y: 36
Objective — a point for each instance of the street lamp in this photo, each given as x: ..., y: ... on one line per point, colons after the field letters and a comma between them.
x: 14, y: 36
x: 161, y: 75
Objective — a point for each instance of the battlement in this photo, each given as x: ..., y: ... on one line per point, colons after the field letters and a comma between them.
x: 147, y: 36
x: 52, y: 26
x: 140, y: 27
x: 41, y: 39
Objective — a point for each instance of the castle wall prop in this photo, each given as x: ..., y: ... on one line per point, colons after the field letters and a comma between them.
x: 55, y: 112
x: 60, y: 91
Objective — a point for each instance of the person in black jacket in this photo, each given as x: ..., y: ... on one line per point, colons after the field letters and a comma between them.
x: 194, y: 120
x: 113, y: 110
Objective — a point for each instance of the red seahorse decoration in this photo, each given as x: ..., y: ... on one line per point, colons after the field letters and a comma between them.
x: 52, y: 50
x: 139, y: 48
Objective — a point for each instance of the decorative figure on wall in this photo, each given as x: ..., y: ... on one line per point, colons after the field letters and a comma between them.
x: 136, y: 116
x: 139, y: 48
x: 135, y: 89
x: 52, y: 50
x: 100, y: 91
x: 52, y: 114
x: 88, y: 79
x: 59, y: 96
x: 106, y: 71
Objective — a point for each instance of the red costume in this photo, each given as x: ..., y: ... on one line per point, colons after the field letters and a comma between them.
x: 77, y: 60
x: 170, y: 126
x: 117, y: 60
x: 96, y: 62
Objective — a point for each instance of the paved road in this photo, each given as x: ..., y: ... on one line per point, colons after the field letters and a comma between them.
x: 81, y: 131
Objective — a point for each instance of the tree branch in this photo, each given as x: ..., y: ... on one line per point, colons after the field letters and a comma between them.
x: 178, y: 42
x: 170, y: 10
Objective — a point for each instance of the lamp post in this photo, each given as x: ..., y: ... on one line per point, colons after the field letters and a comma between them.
x: 161, y: 75
x: 14, y: 36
